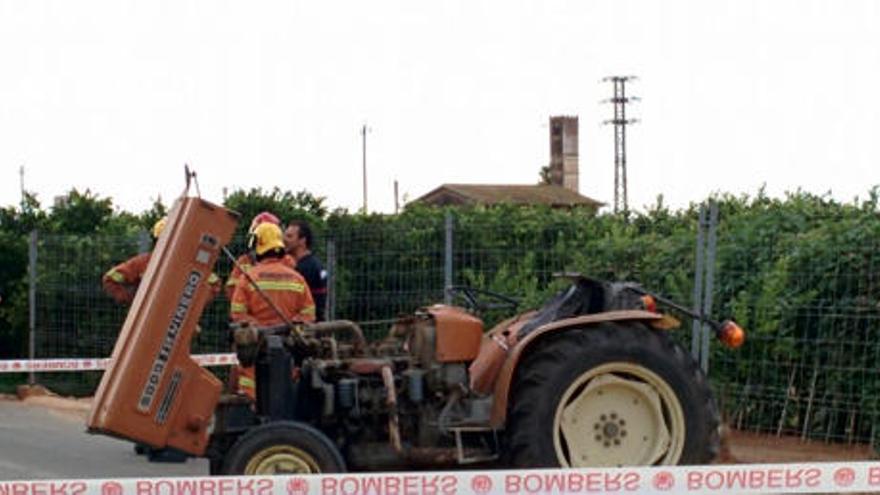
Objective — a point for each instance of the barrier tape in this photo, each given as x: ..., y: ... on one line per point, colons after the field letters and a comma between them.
x: 95, y: 364
x: 742, y: 479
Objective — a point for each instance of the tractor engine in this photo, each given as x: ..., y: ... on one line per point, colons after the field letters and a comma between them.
x: 402, y: 399
x: 440, y: 341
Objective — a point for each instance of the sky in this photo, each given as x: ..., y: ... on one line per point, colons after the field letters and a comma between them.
x: 116, y: 96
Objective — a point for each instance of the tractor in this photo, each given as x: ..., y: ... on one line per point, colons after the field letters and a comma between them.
x: 591, y: 378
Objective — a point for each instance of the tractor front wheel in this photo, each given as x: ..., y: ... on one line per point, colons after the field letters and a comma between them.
x: 283, y: 448
x: 612, y: 395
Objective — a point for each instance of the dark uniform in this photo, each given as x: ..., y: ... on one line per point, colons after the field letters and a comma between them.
x: 316, y: 277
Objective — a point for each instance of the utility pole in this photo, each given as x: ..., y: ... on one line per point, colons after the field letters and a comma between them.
x: 21, y: 184
x: 364, y: 130
x: 396, y: 201
x: 620, y: 122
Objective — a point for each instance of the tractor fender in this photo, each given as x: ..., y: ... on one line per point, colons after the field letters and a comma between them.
x: 505, y: 376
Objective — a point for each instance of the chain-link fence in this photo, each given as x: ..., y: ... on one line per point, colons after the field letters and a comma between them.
x: 72, y: 316
x: 806, y: 291
x: 380, y: 271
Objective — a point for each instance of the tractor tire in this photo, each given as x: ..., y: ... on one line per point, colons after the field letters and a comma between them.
x: 614, y: 394
x: 283, y: 447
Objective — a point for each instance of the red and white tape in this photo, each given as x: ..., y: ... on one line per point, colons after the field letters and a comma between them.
x: 743, y: 479
x: 93, y: 364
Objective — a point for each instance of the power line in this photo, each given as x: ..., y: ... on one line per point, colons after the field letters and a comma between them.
x: 620, y: 99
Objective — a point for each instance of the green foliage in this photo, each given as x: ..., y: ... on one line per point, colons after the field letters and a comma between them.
x: 20, y: 221
x: 284, y: 204
x: 149, y: 218
x: 544, y: 176
x: 13, y: 290
x: 15, y: 226
x: 800, y: 273
x: 80, y: 213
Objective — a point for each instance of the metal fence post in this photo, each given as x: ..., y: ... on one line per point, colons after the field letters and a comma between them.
x: 447, y: 265
x: 32, y: 302
x: 710, y: 280
x: 698, y: 286
x: 143, y: 241
x: 330, y: 308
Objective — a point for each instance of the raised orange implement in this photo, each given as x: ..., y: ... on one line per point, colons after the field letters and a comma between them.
x: 153, y: 392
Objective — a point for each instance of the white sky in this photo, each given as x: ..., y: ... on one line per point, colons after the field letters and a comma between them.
x: 116, y: 95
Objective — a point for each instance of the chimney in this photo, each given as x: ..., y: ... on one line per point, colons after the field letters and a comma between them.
x: 564, y: 152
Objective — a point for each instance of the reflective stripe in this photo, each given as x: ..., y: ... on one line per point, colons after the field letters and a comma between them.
x: 271, y: 285
x: 309, y: 310
x: 246, y: 382
x: 238, y: 308
x: 213, y: 279
x: 116, y: 276
x: 231, y: 282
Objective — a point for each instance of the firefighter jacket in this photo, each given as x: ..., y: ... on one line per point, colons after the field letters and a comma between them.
x: 286, y: 289
x: 121, y: 282
x: 282, y: 285
x: 246, y: 262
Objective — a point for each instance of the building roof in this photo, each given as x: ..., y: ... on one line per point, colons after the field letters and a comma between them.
x: 557, y: 196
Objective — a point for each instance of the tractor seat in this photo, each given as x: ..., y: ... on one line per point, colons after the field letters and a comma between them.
x: 552, y: 310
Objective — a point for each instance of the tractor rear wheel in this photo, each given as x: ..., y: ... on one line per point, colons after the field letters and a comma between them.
x: 611, y: 395
x: 283, y: 448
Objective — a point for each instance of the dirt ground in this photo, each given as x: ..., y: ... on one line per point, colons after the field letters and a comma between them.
x: 39, y: 396
x: 738, y: 447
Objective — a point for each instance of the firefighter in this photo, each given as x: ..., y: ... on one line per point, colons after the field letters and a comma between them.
x: 249, y: 259
x: 122, y: 281
x: 280, y: 283
x: 239, y: 378
x: 298, y: 243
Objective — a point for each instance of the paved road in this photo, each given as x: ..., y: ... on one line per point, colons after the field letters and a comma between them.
x: 40, y: 443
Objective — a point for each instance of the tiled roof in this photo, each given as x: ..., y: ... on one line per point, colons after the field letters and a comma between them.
x: 506, y: 193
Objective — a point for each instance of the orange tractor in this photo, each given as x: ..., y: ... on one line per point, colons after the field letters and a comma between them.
x: 592, y: 378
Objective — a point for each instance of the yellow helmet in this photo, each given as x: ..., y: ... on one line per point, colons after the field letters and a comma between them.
x: 266, y: 237
x: 159, y: 226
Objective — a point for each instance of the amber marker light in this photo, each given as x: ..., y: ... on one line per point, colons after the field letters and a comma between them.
x: 649, y: 303
x: 731, y: 334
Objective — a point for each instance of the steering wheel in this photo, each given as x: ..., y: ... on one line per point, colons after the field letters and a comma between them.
x: 476, y: 299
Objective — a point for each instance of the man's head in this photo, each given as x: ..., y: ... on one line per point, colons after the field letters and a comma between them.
x: 267, y: 240
x: 297, y: 236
